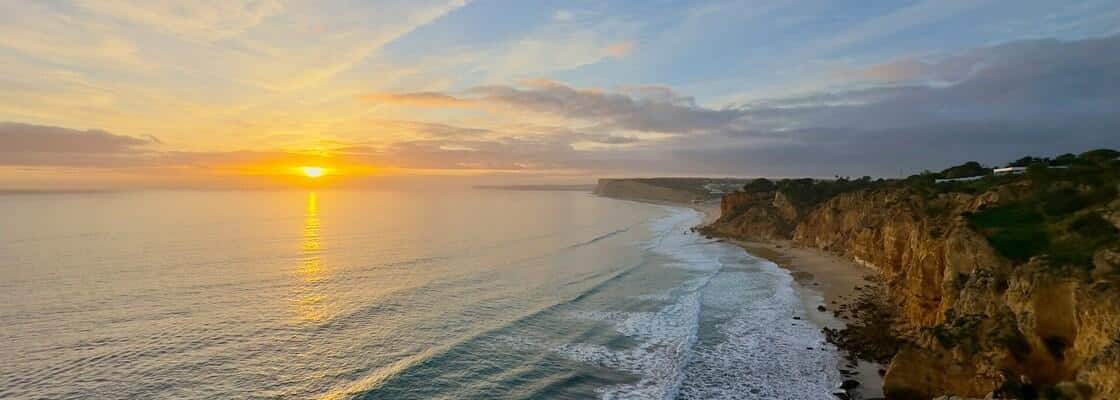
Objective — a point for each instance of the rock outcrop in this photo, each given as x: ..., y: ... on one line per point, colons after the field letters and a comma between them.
x: 972, y: 318
x: 756, y: 215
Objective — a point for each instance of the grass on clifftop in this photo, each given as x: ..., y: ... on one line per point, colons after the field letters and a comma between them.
x: 1017, y: 231
x: 805, y: 193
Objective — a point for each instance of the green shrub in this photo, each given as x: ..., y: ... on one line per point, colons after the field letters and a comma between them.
x: 1092, y: 225
x: 1080, y: 239
x: 807, y: 192
x: 1100, y: 156
x: 1015, y: 231
x: 1028, y: 161
x: 1061, y: 202
x: 1064, y: 159
x: 1101, y: 194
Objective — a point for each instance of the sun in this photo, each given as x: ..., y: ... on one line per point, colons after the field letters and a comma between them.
x: 313, y: 172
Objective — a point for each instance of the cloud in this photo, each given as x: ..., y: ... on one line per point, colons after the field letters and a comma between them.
x: 906, y: 69
x: 419, y: 99
x: 258, y: 44
x: 991, y: 104
x: 612, y: 139
x: 665, y: 112
x: 153, y: 139
x: 39, y: 145
x: 408, y: 18
x: 507, y: 153
x: 620, y: 49
x: 523, y: 147
x: 41, y: 32
x: 442, y: 147
x: 573, y: 41
x: 210, y: 21
x: 430, y: 129
x: 26, y: 138
x: 647, y: 109
x: 30, y: 145
x: 1020, y: 81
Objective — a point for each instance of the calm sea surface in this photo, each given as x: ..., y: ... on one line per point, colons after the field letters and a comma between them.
x: 389, y: 295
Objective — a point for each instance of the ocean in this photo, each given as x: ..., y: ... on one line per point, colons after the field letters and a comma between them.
x: 473, y: 294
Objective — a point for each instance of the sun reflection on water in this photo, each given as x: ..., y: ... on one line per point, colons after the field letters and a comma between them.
x: 311, y: 303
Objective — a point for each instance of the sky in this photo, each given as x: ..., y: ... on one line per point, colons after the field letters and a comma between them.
x: 239, y: 93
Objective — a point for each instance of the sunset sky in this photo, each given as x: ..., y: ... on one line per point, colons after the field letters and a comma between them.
x: 153, y: 93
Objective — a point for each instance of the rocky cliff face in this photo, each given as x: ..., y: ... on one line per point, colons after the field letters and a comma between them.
x: 756, y: 215
x: 972, y: 318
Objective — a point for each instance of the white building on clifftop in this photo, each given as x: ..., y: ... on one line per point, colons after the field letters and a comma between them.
x: 1009, y: 170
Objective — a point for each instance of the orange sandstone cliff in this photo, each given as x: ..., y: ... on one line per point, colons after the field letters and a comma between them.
x: 971, y: 317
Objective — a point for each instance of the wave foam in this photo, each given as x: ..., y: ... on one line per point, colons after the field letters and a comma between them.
x: 754, y: 349
x: 761, y: 352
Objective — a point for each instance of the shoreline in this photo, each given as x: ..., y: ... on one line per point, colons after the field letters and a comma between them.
x: 829, y: 281
x: 820, y: 279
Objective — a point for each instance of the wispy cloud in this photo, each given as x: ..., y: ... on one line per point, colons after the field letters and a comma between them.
x: 650, y: 109
x: 419, y: 99
x: 202, y: 21
x: 911, y: 17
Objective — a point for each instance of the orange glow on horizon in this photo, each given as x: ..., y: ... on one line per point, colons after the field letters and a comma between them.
x: 312, y: 172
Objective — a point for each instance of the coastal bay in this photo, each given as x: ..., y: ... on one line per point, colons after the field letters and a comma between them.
x: 821, y: 279
x: 1001, y: 285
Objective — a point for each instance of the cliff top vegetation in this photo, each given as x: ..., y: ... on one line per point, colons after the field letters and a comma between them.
x: 1063, y: 208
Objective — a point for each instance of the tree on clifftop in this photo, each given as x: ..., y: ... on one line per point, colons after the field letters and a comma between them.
x: 759, y: 185
x: 1100, y: 156
x: 968, y: 169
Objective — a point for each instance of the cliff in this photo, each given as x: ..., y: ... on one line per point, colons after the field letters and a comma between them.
x: 986, y: 288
